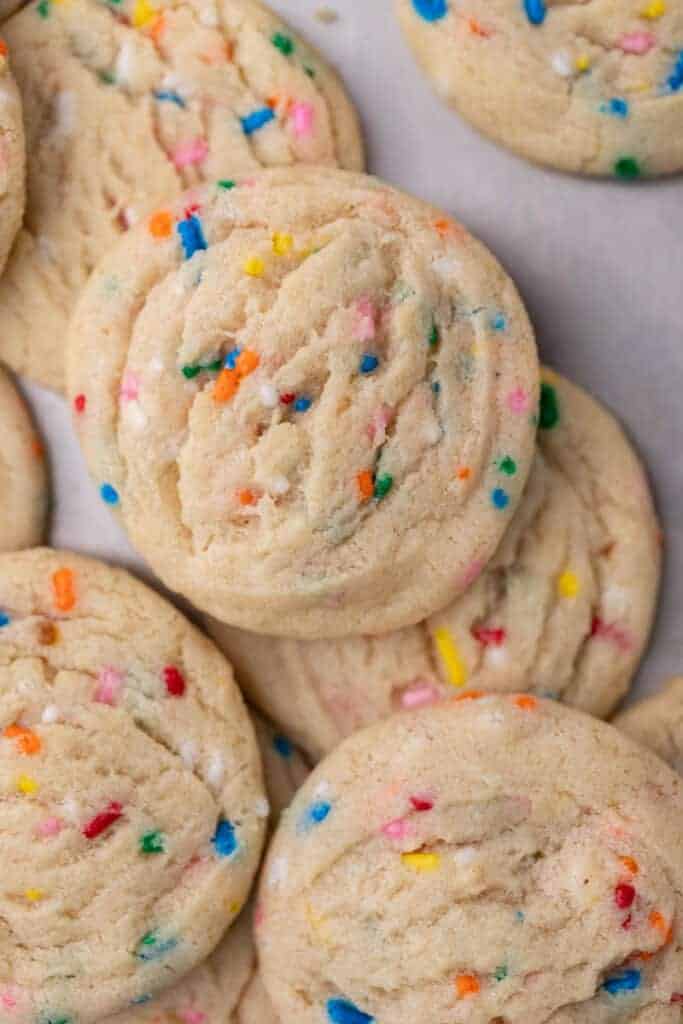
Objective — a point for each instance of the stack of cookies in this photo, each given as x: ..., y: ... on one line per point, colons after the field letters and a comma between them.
x: 315, y: 404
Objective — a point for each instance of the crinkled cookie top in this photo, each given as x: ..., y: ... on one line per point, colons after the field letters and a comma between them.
x: 312, y: 398
x: 23, y: 476
x: 657, y: 723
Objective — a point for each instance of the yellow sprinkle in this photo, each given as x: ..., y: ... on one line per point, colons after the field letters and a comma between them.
x: 34, y: 895
x: 234, y: 908
x: 421, y: 862
x: 27, y: 785
x: 583, y: 63
x: 655, y: 9
x: 568, y: 584
x: 282, y: 244
x: 143, y: 13
x: 450, y: 655
x: 254, y: 266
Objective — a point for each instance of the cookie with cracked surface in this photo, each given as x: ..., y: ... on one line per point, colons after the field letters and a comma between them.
x: 589, y: 86
x: 23, y: 474
x: 504, y: 858
x: 657, y: 723
x: 187, y: 91
x: 12, y: 157
x: 564, y: 608
x: 133, y: 804
x: 320, y: 367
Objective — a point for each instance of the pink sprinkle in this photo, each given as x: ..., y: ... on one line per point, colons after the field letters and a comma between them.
x: 518, y: 401
x: 472, y: 573
x: 49, y: 827
x: 610, y: 631
x: 188, y: 153
x: 9, y: 997
x: 192, y: 1016
x: 489, y: 637
x: 639, y: 43
x: 397, y: 829
x: 130, y: 386
x: 110, y: 683
x: 377, y: 427
x: 366, y: 325
x: 302, y: 116
x: 419, y: 695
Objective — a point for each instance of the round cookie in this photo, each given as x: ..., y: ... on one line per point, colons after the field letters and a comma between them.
x: 312, y: 401
x: 23, y: 477
x: 564, y: 608
x: 501, y: 859
x: 657, y: 723
x: 227, y: 988
x: 595, y: 88
x: 189, y: 91
x: 133, y: 807
x: 12, y: 158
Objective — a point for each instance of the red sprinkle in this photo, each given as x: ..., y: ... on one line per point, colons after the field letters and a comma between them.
x: 287, y: 398
x: 677, y: 997
x: 489, y: 637
x: 422, y: 803
x: 627, y: 922
x: 101, y: 822
x: 191, y: 210
x: 79, y: 403
x: 175, y: 681
x: 624, y: 895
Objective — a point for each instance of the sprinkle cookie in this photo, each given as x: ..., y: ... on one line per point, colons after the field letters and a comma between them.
x: 12, y: 157
x: 564, y: 609
x: 500, y: 859
x: 306, y: 394
x: 133, y: 807
x: 657, y: 723
x: 129, y: 103
x: 227, y: 989
x: 23, y: 479
x: 593, y: 87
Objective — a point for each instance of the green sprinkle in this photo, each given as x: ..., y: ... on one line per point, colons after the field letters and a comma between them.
x: 107, y: 77
x: 227, y: 184
x: 383, y: 485
x: 214, y: 367
x: 193, y: 370
x: 152, y: 842
x: 283, y: 43
x: 190, y: 372
x: 434, y: 335
x: 43, y: 8
x: 501, y: 972
x: 309, y: 71
x: 627, y: 168
x: 507, y: 466
x: 549, y: 415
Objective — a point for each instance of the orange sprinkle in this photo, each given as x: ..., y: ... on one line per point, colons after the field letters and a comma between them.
x: 272, y: 102
x: 27, y: 741
x: 443, y: 226
x: 246, y: 363
x: 157, y: 28
x: 3, y: 48
x: 659, y: 922
x: 470, y: 695
x: 467, y: 986
x: 226, y: 385
x: 630, y: 864
x: 246, y: 497
x: 160, y: 224
x: 477, y: 29
x: 463, y: 473
x: 48, y: 634
x: 526, y: 702
x: 38, y: 448
x: 366, y: 487
x: 63, y: 586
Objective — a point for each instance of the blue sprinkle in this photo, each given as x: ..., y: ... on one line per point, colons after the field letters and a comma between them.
x: 616, y: 107
x: 500, y: 498
x: 675, y: 80
x: 314, y: 815
x: 431, y: 10
x: 141, y: 1000
x: 283, y: 746
x: 303, y: 403
x: 169, y: 96
x: 4, y: 619
x: 341, y: 1011
x: 436, y: 386
x: 627, y: 981
x: 191, y: 236
x: 519, y: 915
x: 499, y: 322
x: 225, y: 840
x: 109, y: 494
x: 259, y: 119
x: 151, y: 947
x: 536, y: 11
x: 231, y: 358
x: 368, y: 363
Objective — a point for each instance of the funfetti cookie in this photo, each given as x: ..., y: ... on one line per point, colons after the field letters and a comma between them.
x: 500, y: 859
x: 657, y: 723
x: 23, y: 477
x: 227, y: 988
x: 12, y: 157
x: 133, y: 805
x: 591, y: 87
x: 563, y: 610
x: 127, y: 104
x: 311, y: 399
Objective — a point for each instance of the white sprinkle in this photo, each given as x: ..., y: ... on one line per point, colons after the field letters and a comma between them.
x: 432, y: 432
x: 156, y: 365
x: 561, y: 64
x: 134, y: 416
x: 71, y: 809
x: 124, y: 63
x: 447, y: 267
x: 216, y: 771
x: 278, y: 872
x: 65, y: 110
x: 465, y: 856
x: 50, y: 714
x: 616, y: 602
x: 131, y: 215
x: 262, y: 808
x: 279, y: 485
x: 269, y: 395
x: 321, y: 790
x: 188, y: 752
x: 46, y: 248
x: 496, y: 657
